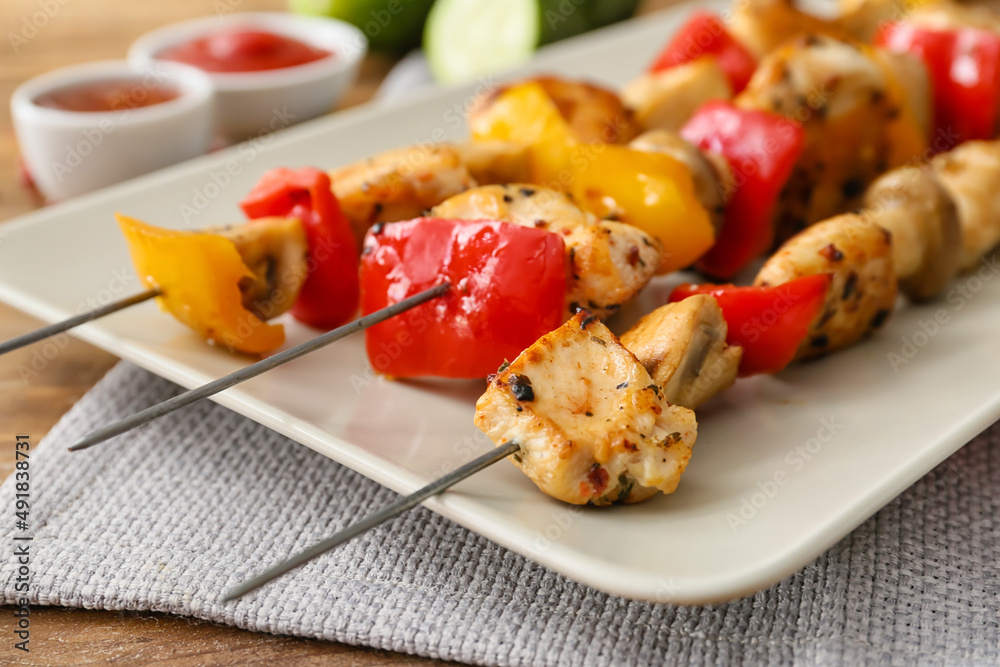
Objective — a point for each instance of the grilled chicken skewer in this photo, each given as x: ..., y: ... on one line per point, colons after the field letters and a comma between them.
x: 253, y: 370
x: 527, y: 405
x: 631, y: 471
x: 607, y: 262
x: 274, y: 251
x: 56, y: 328
x: 915, y: 232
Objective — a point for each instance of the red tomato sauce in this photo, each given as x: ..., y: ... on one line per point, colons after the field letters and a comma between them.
x: 106, y: 95
x: 244, y: 51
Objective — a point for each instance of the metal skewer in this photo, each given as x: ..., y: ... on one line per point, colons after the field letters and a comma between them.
x: 372, y: 520
x: 253, y: 370
x: 83, y: 318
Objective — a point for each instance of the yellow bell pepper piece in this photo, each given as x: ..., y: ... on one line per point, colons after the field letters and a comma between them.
x: 525, y: 115
x: 199, y: 275
x: 651, y: 191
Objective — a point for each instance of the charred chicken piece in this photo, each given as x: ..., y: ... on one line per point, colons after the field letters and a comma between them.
x: 856, y: 118
x: 399, y: 184
x: 592, y: 425
x: 683, y: 347
x: 861, y: 295
x: 763, y: 25
x: 665, y: 100
x: 491, y: 162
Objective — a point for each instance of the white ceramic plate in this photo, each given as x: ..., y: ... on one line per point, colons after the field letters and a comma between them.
x: 783, y: 468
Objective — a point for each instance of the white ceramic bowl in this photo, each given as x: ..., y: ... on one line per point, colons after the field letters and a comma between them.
x: 250, y: 103
x: 69, y: 153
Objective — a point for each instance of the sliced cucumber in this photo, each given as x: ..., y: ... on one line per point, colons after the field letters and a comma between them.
x: 464, y: 39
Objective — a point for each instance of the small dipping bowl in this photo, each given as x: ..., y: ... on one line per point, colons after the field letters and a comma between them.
x: 260, y: 102
x: 69, y: 152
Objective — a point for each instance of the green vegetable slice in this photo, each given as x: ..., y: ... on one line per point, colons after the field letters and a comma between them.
x: 465, y: 39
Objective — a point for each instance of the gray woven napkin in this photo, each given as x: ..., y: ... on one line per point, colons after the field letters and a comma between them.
x: 193, y: 504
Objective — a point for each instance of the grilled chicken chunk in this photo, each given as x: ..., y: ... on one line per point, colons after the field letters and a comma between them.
x: 683, y: 348
x: 275, y: 250
x: 862, y: 293
x: 399, y: 184
x: 608, y: 262
x: 856, y: 118
x: 594, y: 114
x: 914, y: 207
x: 943, y: 15
x: 492, y: 162
x: 971, y: 175
x: 592, y: 425
x: 763, y: 25
x: 862, y: 18
x: 710, y: 172
x: 665, y: 100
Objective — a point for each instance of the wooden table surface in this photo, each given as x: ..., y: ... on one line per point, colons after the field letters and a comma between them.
x: 59, y: 33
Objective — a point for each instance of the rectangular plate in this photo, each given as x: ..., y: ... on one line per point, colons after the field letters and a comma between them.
x: 784, y: 466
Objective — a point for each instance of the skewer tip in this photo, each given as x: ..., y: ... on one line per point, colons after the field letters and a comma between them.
x: 91, y: 439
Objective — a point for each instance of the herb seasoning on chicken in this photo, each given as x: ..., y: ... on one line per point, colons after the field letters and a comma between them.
x: 592, y: 425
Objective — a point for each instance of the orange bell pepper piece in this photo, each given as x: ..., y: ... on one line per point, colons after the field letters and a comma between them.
x: 652, y: 191
x: 524, y: 114
x: 199, y: 275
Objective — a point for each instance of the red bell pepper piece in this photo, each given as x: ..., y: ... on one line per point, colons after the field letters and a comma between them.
x: 769, y: 323
x: 508, y: 290
x: 964, y: 68
x: 330, y: 294
x: 705, y: 35
x: 761, y: 149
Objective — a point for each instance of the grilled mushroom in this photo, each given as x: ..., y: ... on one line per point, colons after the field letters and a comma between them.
x: 971, y: 173
x: 683, y: 347
x: 926, y: 235
x: 274, y: 249
x: 665, y: 100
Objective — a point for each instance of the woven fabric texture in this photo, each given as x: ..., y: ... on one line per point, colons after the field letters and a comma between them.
x: 196, y: 503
